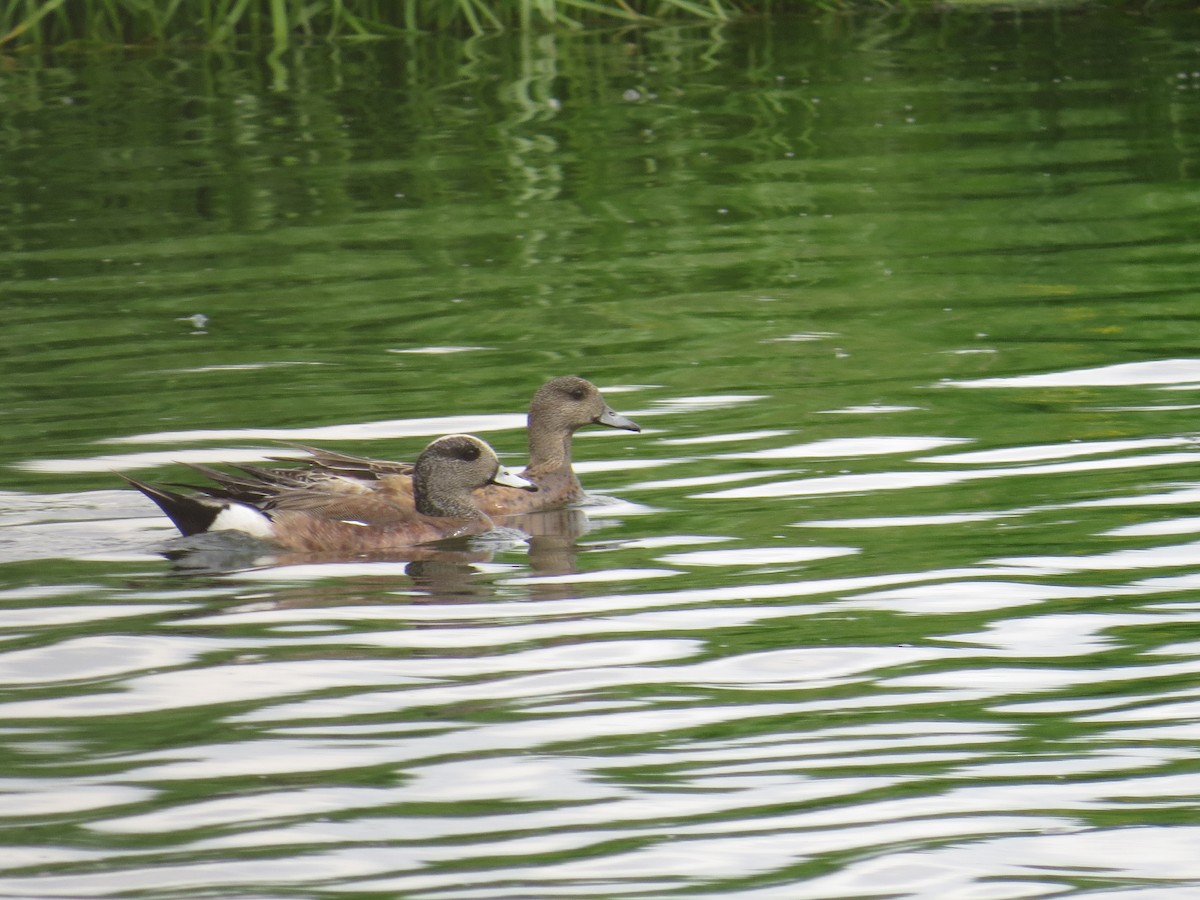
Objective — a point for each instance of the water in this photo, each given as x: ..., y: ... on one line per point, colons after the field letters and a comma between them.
x: 895, y: 595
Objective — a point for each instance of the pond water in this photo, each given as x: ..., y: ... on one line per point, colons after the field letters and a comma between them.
x: 897, y: 594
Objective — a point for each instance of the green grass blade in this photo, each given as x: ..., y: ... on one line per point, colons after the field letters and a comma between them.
x: 28, y: 23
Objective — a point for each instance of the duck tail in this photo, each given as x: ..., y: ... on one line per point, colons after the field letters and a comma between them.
x: 191, y: 515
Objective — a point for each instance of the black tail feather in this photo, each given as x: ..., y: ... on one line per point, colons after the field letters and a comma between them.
x: 254, y: 485
x: 191, y: 515
x: 252, y: 488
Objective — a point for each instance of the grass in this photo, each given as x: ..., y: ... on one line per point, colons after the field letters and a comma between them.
x: 219, y: 22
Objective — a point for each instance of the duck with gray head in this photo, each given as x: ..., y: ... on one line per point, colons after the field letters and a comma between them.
x: 559, y: 408
x: 345, y: 514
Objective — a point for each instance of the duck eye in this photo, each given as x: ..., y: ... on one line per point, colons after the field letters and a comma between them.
x: 468, y: 453
x: 578, y: 393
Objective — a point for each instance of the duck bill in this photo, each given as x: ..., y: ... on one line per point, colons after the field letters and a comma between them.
x: 511, y: 479
x: 614, y: 419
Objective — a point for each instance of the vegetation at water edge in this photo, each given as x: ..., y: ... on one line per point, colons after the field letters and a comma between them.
x: 214, y: 22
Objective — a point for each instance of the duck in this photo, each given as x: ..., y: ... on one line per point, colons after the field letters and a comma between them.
x: 338, y: 514
x: 559, y: 408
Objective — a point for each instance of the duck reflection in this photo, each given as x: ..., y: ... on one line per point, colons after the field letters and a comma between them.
x: 552, y: 536
x: 444, y: 572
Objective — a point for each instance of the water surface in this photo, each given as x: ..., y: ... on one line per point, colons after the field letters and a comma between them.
x: 895, y: 595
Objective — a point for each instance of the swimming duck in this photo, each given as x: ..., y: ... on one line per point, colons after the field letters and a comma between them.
x: 559, y: 408
x: 346, y: 514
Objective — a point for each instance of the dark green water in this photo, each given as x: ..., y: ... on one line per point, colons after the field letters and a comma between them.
x: 898, y: 596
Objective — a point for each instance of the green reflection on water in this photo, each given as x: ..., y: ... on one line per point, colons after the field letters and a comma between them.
x: 827, y: 220
x: 824, y: 217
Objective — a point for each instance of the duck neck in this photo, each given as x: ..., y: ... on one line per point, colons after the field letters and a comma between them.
x: 456, y: 505
x: 549, y: 450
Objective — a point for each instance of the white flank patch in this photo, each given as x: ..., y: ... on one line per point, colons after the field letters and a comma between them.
x: 238, y: 517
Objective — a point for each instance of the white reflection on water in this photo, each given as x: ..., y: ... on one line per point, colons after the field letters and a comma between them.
x: 755, y: 556
x: 986, y: 687
x: 244, y: 367
x: 41, y: 617
x: 907, y: 521
x: 250, y: 680
x: 1056, y: 451
x: 877, y: 481
x: 1185, y: 525
x: 741, y: 436
x: 702, y: 480
x: 703, y: 402
x: 1151, y: 372
x: 99, y: 656
x: 124, y: 462
x: 837, y: 484
x: 1118, y: 560
x: 69, y: 795
x: 1025, y: 866
x: 671, y: 707
x: 999, y: 681
x: 435, y: 351
x: 836, y: 447
x: 866, y: 410
x: 608, y: 575
x: 870, y: 716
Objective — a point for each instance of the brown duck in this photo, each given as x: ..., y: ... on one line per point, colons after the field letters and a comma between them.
x: 347, y: 514
x: 559, y: 408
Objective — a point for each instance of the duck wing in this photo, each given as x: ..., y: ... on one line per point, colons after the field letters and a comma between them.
x: 368, y: 508
x: 332, y: 462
